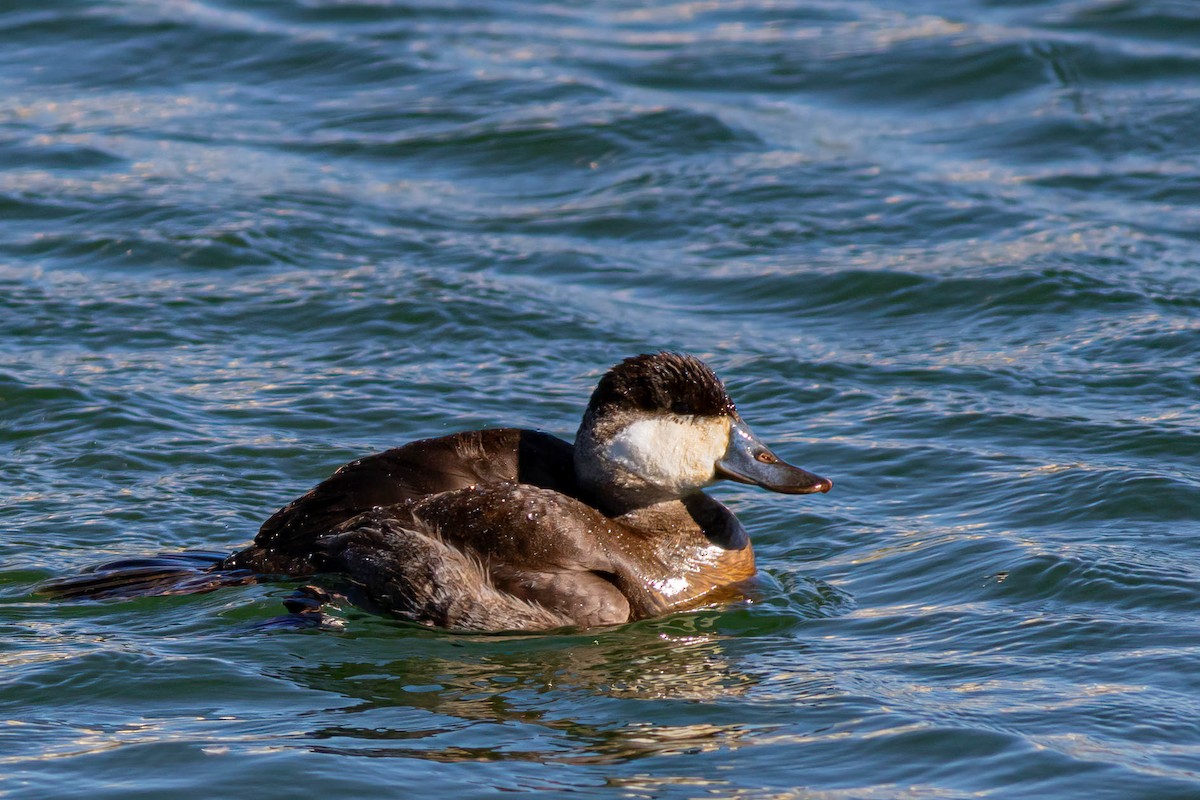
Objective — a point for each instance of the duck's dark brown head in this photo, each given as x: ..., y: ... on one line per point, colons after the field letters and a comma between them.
x: 660, y: 426
x: 670, y: 383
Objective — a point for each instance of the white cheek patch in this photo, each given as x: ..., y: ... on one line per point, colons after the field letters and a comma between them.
x: 672, y: 452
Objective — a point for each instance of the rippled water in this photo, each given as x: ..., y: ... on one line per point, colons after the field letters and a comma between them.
x: 944, y: 252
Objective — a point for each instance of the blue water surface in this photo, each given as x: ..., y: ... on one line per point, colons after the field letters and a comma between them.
x: 947, y: 253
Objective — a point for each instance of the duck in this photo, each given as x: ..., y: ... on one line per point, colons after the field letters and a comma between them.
x: 511, y: 529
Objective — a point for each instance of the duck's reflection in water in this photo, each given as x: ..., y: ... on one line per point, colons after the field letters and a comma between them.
x: 573, y: 699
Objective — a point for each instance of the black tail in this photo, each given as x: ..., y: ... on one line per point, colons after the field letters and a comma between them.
x: 192, y: 572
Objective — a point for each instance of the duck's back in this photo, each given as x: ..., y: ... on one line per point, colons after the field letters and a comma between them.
x: 406, y: 474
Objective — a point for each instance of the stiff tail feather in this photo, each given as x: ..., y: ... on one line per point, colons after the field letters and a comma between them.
x: 192, y: 572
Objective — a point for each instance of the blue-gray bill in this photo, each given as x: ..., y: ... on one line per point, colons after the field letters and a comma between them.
x: 748, y: 460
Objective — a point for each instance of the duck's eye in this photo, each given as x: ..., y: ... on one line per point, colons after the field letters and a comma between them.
x: 681, y: 408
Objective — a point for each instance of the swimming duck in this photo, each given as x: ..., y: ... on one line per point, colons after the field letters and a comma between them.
x: 511, y: 529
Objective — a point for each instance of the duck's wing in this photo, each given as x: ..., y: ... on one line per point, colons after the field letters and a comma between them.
x: 403, y: 475
x: 489, y: 558
x: 422, y: 578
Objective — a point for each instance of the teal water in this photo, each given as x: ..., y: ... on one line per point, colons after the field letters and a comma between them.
x: 946, y: 253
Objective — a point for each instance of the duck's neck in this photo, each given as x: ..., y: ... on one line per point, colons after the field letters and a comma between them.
x: 695, y: 520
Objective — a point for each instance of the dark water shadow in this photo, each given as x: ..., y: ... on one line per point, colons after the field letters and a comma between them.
x: 574, y: 698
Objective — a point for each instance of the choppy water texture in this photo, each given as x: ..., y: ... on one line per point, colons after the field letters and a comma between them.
x: 944, y: 252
